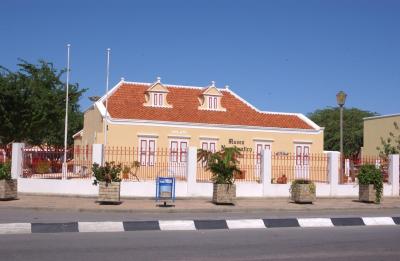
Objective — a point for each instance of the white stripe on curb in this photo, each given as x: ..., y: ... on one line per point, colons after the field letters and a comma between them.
x: 176, y: 225
x: 100, y: 227
x: 315, y: 222
x: 245, y: 223
x: 15, y: 228
x: 378, y: 221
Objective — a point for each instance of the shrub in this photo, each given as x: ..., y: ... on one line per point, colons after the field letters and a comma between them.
x: 370, y: 175
x: 5, y: 171
x: 223, y: 164
x: 107, y: 173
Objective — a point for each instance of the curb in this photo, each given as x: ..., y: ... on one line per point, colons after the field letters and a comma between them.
x: 175, y: 225
x: 191, y: 210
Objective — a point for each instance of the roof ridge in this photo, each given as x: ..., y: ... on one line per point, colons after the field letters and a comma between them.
x: 280, y: 113
x: 172, y: 85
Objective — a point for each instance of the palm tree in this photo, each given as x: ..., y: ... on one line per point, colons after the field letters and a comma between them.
x: 223, y: 164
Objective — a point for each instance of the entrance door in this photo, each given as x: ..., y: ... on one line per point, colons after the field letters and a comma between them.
x: 259, y: 147
x: 302, y: 168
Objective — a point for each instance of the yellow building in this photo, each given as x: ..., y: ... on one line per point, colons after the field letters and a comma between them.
x: 149, y: 116
x: 376, y: 128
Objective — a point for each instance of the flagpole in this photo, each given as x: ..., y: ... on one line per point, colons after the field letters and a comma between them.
x: 106, y: 116
x: 64, y: 166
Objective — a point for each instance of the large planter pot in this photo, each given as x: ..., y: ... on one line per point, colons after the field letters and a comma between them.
x: 302, y: 193
x: 224, y: 193
x: 367, y: 193
x: 8, y: 189
x: 109, y: 192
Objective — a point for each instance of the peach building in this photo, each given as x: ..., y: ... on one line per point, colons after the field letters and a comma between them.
x: 155, y: 115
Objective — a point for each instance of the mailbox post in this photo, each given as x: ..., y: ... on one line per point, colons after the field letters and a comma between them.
x: 165, y: 189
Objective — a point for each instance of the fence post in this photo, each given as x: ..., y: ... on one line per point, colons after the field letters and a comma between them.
x: 333, y: 171
x: 191, y: 170
x: 394, y: 174
x: 266, y: 171
x: 17, y: 160
x: 97, y: 154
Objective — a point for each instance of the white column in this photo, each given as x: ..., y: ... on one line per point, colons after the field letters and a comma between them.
x: 266, y: 171
x: 17, y: 160
x: 333, y: 171
x: 97, y: 154
x: 191, y: 170
x: 394, y: 174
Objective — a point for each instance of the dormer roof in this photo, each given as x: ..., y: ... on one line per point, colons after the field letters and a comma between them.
x: 212, y: 90
x: 157, y: 87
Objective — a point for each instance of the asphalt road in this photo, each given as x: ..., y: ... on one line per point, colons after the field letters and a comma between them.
x: 344, y: 243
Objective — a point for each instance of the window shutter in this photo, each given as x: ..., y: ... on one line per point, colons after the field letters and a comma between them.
x: 183, y: 151
x: 212, y: 146
x: 160, y: 100
x: 174, y: 151
x: 143, y: 148
x: 155, y: 99
x: 152, y: 147
x: 298, y: 155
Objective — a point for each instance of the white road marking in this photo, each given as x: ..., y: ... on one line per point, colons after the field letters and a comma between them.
x: 100, y: 227
x: 245, y: 223
x: 176, y: 225
x: 378, y: 221
x: 315, y: 222
x: 15, y: 228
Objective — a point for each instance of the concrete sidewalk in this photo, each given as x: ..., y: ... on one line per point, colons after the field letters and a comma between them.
x: 188, y: 205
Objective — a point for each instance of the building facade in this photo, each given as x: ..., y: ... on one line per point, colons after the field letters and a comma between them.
x: 149, y: 116
x: 376, y: 128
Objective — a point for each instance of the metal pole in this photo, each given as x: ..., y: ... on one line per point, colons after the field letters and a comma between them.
x: 64, y: 167
x: 106, y: 115
x: 341, y: 141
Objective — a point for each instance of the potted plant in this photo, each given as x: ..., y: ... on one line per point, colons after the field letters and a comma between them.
x: 224, y: 166
x: 302, y: 191
x: 107, y: 177
x: 370, y: 182
x: 282, y: 179
x: 8, y: 186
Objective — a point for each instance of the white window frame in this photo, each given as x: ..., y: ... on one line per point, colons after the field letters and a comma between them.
x: 178, y: 156
x: 157, y: 99
x: 208, y: 144
x: 302, y: 160
x: 212, y: 103
x: 259, y: 146
x: 147, y: 157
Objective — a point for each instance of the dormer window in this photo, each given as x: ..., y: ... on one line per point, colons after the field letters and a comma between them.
x: 211, y: 99
x: 158, y: 99
x: 156, y: 95
x: 212, y: 103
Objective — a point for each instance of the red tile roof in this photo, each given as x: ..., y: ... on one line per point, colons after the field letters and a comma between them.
x: 127, y: 103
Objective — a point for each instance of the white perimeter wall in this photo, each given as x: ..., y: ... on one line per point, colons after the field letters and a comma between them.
x: 148, y: 189
x: 191, y: 188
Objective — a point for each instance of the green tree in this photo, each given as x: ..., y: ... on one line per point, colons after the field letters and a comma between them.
x: 352, y: 128
x: 32, y: 105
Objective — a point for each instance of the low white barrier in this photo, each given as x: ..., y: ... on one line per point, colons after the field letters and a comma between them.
x: 148, y: 189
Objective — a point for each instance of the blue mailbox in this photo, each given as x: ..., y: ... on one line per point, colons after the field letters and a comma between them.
x: 165, y: 189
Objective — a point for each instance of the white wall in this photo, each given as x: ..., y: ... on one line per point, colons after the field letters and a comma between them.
x: 148, y: 189
x: 197, y: 189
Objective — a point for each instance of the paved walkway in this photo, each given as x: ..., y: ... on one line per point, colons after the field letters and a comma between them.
x: 190, y: 204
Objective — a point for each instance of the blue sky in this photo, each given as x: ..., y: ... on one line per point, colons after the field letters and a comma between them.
x: 290, y: 56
